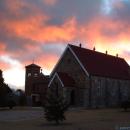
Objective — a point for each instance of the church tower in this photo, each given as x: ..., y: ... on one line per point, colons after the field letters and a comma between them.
x: 32, y: 72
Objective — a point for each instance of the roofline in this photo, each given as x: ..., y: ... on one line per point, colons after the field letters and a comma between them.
x: 59, y: 60
x: 68, y: 47
x: 60, y: 80
x: 79, y: 61
x: 56, y: 74
x: 112, y: 77
x: 33, y: 66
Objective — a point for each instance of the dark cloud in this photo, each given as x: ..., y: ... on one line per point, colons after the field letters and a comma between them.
x: 53, y: 49
x: 116, y: 22
x: 121, y: 12
x: 33, y: 29
x: 83, y: 10
x: 12, y: 41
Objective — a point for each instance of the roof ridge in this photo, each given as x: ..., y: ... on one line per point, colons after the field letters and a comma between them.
x: 34, y: 65
x: 97, y: 63
x: 96, y: 51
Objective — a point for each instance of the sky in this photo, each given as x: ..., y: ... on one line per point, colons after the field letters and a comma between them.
x: 39, y: 31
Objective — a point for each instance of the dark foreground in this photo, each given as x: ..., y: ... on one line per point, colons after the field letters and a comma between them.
x: 77, y: 119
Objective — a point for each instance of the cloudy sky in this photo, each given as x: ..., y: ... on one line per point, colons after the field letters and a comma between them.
x: 39, y: 30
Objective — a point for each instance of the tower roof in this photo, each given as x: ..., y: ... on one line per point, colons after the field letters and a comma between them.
x: 32, y: 65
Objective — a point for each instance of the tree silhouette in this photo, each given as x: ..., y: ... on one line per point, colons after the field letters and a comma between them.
x: 21, y: 97
x: 4, y: 92
x: 55, y: 106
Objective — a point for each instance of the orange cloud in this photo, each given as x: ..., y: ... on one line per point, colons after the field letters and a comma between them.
x: 32, y: 48
x: 35, y: 28
x: 47, y: 62
x: 2, y: 48
x: 53, y: 33
x: 14, y: 6
x: 50, y: 2
x: 101, y: 32
x: 118, y: 4
x: 26, y: 26
x: 106, y: 34
x: 4, y: 66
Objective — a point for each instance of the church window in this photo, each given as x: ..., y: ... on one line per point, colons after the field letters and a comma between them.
x: 29, y: 74
x: 35, y: 75
x: 99, y: 90
x: 34, y: 88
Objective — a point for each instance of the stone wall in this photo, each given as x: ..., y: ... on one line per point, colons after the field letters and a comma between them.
x: 109, y: 92
x: 56, y: 87
x: 92, y: 91
x: 70, y: 65
x: 62, y: 91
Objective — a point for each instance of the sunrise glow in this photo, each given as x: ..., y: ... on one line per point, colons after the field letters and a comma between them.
x: 40, y: 30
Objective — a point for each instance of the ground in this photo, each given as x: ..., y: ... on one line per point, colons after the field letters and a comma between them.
x: 77, y: 119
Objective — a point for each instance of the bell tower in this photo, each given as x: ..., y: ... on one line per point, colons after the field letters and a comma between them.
x: 32, y: 72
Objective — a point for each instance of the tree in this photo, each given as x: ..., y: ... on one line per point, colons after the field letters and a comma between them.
x: 5, y: 92
x: 21, y: 97
x: 55, y: 107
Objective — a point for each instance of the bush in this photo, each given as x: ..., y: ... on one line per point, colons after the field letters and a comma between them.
x: 11, y: 104
x: 125, y: 105
x: 55, y: 108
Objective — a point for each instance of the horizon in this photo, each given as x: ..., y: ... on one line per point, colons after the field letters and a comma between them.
x: 40, y: 30
x: 48, y: 73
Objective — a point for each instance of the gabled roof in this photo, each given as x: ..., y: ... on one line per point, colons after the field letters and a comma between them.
x: 64, y: 78
x: 100, y: 64
x: 33, y: 65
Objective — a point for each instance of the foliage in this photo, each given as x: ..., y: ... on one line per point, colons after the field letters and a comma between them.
x: 5, y: 94
x: 55, y: 108
x: 21, y: 97
x: 4, y: 91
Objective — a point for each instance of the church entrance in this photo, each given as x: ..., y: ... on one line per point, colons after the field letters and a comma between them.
x: 72, y: 97
x: 36, y: 100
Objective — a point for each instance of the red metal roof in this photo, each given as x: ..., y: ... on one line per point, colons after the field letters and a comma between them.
x: 67, y: 80
x: 100, y: 64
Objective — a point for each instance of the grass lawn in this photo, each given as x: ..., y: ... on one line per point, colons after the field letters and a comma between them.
x: 97, y: 119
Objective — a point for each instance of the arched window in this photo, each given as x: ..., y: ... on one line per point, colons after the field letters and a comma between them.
x: 35, y: 75
x: 72, y: 97
x: 29, y: 74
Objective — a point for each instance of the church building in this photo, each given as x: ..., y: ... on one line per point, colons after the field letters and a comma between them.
x: 91, y: 79
x: 36, y: 84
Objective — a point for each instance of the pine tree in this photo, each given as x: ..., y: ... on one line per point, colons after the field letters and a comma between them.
x: 4, y: 91
x: 55, y: 108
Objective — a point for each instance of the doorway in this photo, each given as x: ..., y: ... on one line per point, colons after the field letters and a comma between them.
x: 72, y: 97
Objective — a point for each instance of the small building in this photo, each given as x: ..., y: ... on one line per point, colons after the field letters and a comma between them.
x: 36, y: 84
x: 91, y: 79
